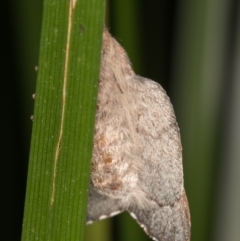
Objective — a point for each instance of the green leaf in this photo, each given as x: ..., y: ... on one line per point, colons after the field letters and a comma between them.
x: 64, y: 114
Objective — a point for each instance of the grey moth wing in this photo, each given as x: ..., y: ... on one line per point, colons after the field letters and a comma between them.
x: 165, y: 223
x: 101, y: 207
x: 165, y: 214
x: 159, y: 144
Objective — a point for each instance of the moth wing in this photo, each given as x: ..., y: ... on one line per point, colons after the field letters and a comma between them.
x: 166, y: 216
x: 101, y: 206
x: 159, y: 143
x: 165, y: 223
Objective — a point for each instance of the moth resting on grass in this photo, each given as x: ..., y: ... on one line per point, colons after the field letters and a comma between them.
x: 137, y: 154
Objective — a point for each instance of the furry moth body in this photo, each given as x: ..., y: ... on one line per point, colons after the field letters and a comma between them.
x: 137, y: 154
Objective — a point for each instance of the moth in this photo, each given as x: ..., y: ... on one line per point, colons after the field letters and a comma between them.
x: 137, y: 154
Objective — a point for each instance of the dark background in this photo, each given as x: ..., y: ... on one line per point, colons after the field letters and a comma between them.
x: 192, y: 48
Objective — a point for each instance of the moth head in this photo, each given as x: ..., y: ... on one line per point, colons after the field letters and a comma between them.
x: 113, y: 56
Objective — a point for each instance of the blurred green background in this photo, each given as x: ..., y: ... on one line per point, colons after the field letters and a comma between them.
x: 192, y: 48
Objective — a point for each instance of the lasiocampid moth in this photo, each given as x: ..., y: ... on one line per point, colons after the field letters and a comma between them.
x: 137, y: 153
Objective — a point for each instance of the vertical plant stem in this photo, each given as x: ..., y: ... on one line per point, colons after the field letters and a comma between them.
x: 64, y: 114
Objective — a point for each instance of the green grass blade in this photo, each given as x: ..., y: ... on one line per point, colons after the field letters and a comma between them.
x: 64, y: 114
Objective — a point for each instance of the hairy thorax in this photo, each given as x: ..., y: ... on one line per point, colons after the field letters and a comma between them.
x: 112, y: 172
